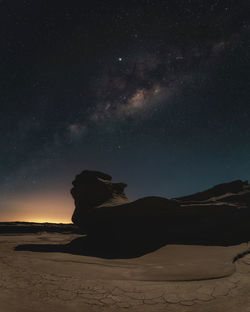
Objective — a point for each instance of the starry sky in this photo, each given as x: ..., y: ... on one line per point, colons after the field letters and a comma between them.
x: 155, y: 93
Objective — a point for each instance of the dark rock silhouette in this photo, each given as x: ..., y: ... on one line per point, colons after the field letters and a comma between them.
x: 103, y: 212
x: 119, y: 228
x: 103, y: 208
x: 94, y: 189
x: 234, y: 187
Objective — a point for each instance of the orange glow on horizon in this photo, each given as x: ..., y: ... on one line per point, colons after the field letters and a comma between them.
x: 52, y: 208
x: 33, y: 220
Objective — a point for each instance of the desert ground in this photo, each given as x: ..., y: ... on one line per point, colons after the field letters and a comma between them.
x: 154, y: 254
x: 39, y: 272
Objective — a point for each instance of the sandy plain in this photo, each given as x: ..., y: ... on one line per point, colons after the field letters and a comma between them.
x: 39, y: 273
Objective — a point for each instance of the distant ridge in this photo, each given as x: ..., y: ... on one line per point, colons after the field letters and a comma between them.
x: 35, y: 227
x: 233, y: 187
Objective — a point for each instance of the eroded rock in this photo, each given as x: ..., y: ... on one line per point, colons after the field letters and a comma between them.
x: 102, y: 209
x: 220, y: 215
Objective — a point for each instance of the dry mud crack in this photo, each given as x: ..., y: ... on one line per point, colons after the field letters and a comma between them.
x: 36, y: 281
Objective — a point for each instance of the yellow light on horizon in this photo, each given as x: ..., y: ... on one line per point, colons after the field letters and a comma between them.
x: 40, y: 208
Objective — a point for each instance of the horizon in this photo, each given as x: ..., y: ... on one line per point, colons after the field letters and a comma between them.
x: 53, y: 205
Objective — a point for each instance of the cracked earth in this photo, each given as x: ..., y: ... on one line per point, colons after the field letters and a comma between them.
x: 174, y: 278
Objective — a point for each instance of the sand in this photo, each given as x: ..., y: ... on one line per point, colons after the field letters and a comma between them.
x: 172, y: 278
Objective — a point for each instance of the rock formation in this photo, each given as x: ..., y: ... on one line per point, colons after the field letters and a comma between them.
x: 218, y: 215
x: 102, y: 210
x: 218, y: 192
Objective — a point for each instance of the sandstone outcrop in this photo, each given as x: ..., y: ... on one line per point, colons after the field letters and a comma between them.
x: 217, y: 215
x: 103, y: 210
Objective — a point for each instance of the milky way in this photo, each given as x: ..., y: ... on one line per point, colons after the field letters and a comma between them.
x: 156, y: 93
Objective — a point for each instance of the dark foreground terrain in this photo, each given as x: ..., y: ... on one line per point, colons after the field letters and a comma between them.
x: 186, y: 254
x: 56, y: 269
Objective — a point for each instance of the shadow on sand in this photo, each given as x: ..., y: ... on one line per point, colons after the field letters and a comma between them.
x: 130, y: 247
x: 86, y: 246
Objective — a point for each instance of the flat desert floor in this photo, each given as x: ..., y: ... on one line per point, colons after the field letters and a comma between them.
x: 34, y: 276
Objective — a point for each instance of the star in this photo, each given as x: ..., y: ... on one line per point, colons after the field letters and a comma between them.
x: 120, y: 59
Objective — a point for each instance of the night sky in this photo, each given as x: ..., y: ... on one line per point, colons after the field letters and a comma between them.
x: 155, y: 93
